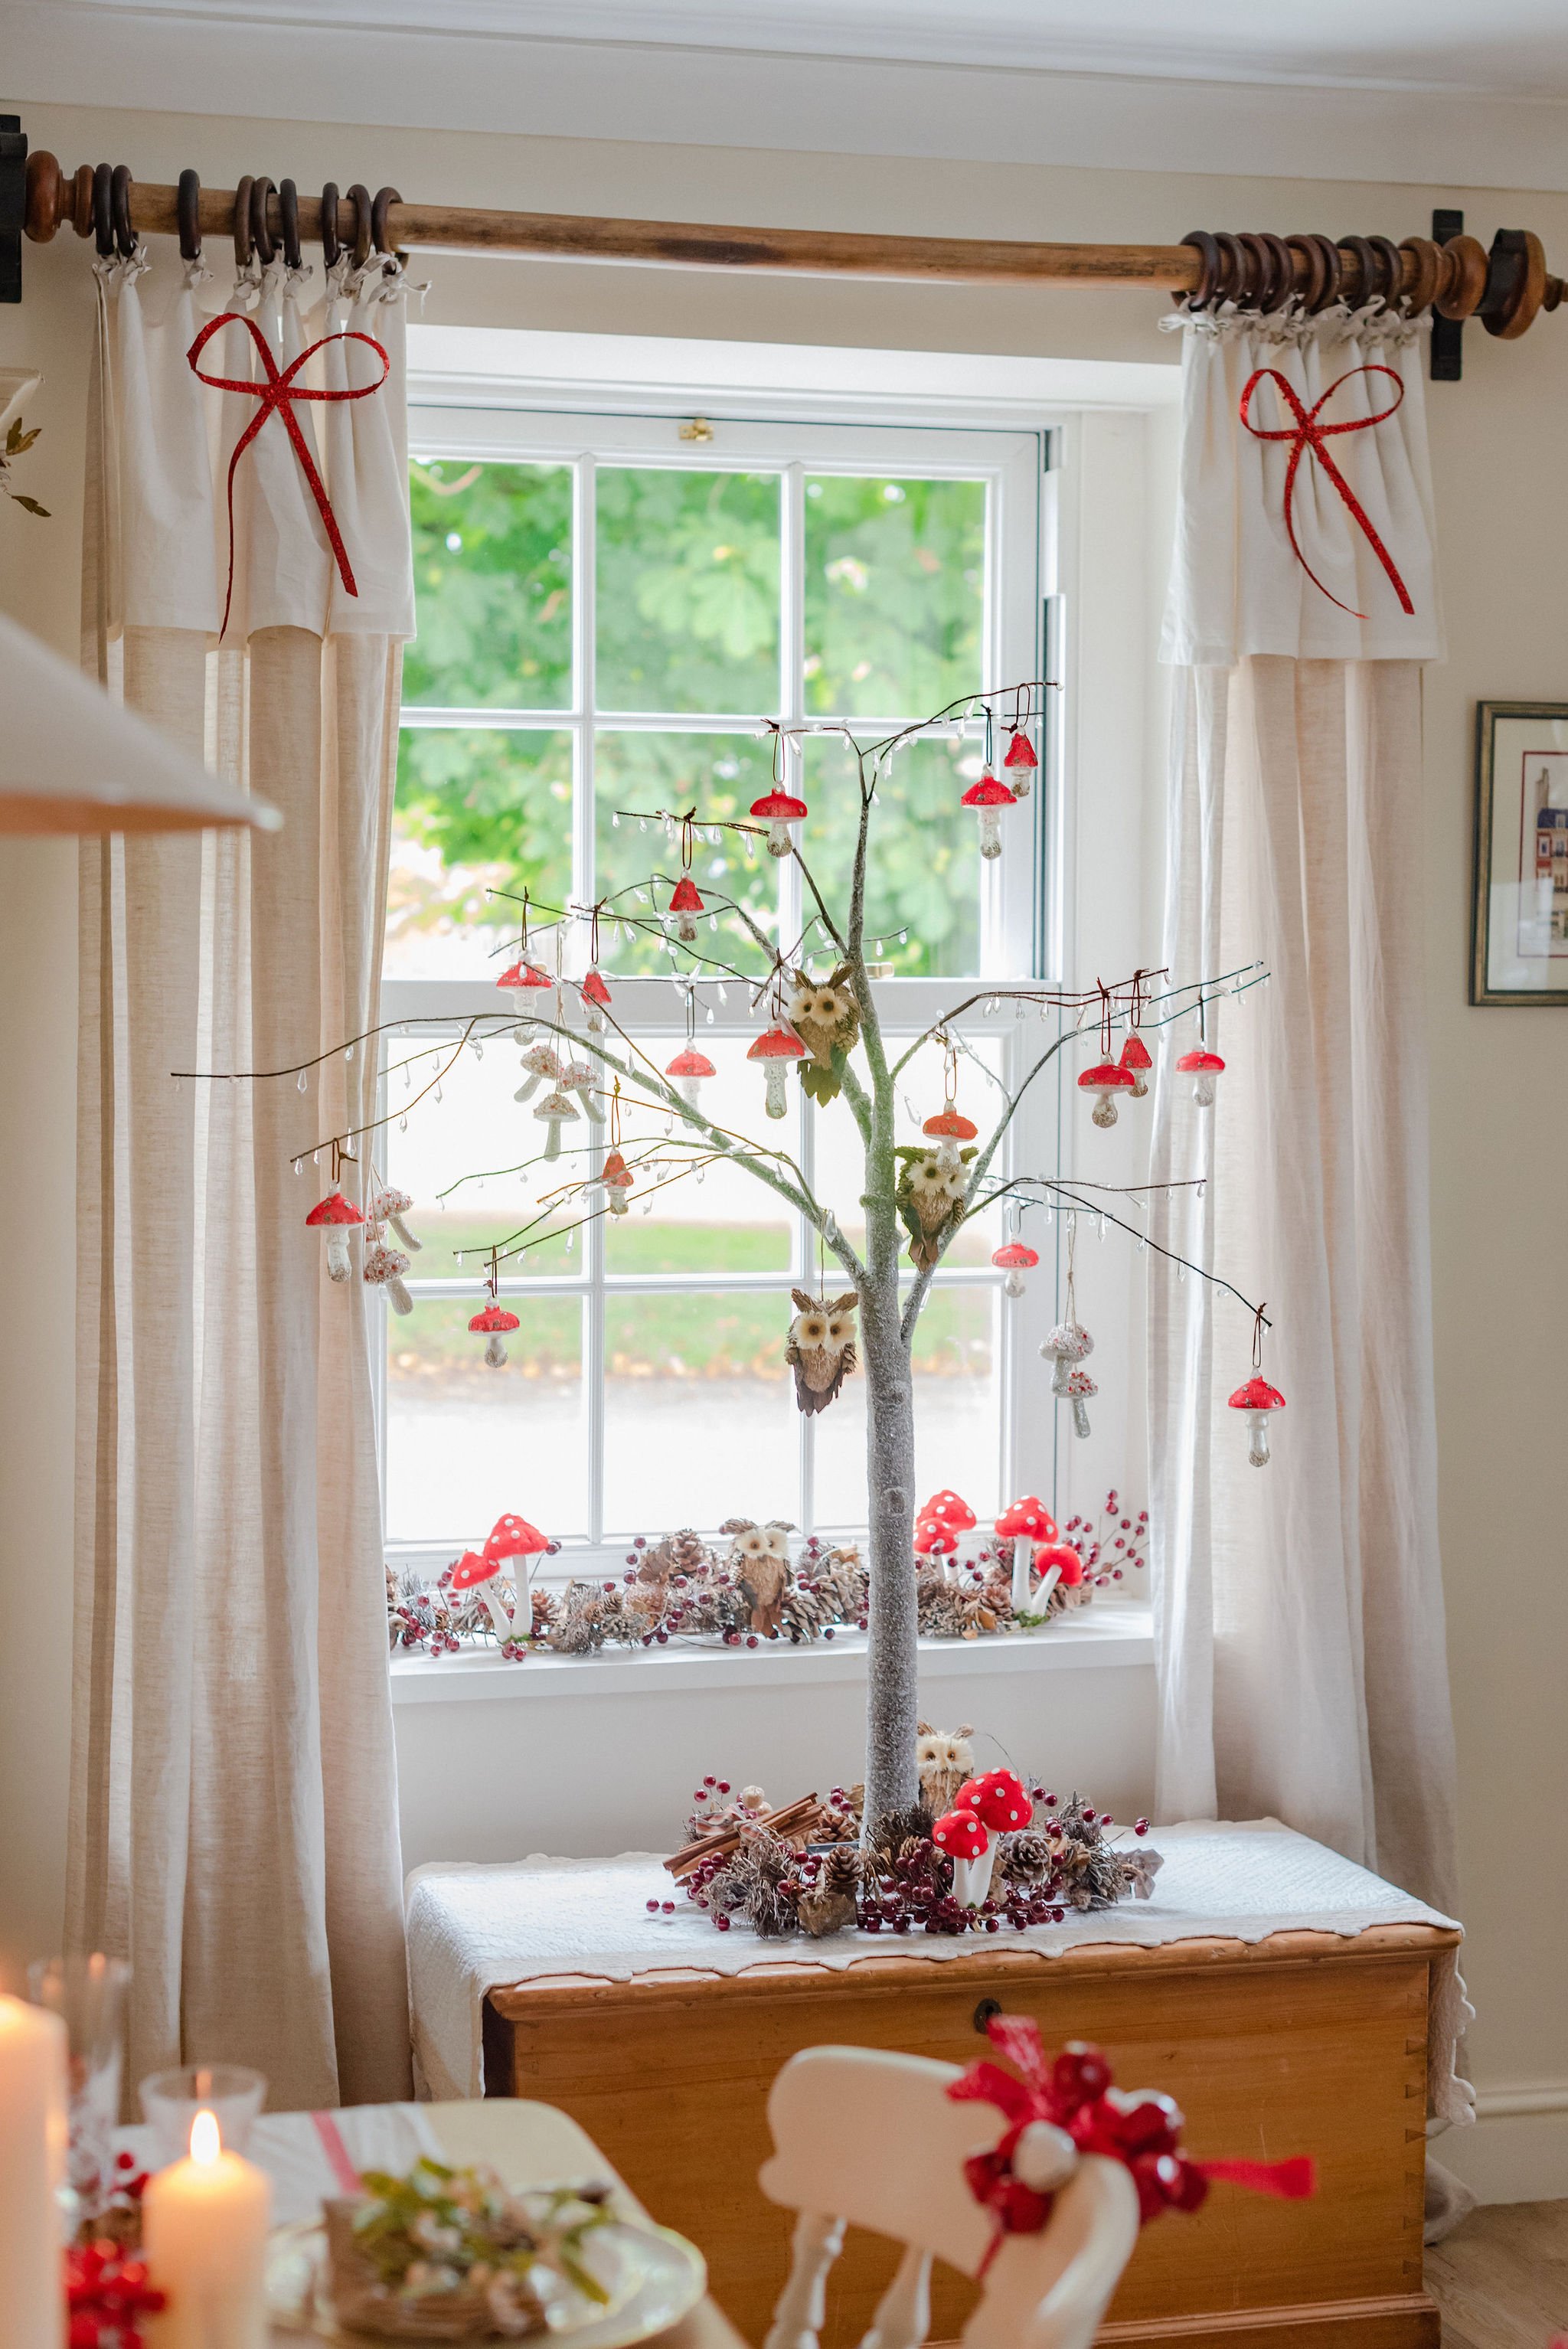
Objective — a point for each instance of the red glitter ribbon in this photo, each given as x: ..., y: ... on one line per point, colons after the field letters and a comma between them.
x: 1307, y: 433
x: 277, y: 396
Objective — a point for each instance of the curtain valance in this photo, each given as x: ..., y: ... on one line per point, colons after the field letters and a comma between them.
x: 1238, y: 585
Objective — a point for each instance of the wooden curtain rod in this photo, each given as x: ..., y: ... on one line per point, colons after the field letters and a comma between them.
x: 1505, y: 288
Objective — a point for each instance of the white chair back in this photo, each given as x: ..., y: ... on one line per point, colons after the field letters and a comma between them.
x: 870, y: 2139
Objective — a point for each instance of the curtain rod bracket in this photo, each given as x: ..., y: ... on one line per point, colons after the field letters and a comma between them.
x: 12, y: 204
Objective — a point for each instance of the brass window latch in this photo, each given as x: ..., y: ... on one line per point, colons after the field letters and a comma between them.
x: 697, y: 428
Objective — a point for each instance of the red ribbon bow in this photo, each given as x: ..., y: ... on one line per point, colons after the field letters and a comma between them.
x: 1075, y: 2092
x: 277, y: 396
x: 1308, y: 433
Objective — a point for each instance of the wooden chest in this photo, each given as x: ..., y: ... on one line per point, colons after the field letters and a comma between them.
x: 1304, y: 2043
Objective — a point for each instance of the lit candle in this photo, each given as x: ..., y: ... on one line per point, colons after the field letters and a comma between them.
x: 204, y: 2239
x: 32, y: 2166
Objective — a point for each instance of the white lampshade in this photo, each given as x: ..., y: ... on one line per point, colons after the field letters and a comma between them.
x: 73, y: 760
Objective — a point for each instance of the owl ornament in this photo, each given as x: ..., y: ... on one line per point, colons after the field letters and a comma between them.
x: 821, y: 1347
x: 930, y: 1198
x: 759, y: 1561
x: 946, y: 1761
x: 827, y: 1018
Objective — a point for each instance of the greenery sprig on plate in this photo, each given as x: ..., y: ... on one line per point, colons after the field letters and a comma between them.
x: 452, y: 2252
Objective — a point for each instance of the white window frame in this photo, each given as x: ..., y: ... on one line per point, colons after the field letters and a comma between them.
x: 1022, y: 895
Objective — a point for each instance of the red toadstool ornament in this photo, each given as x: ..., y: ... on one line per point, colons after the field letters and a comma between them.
x: 1257, y: 1398
x: 384, y: 1269
x: 1020, y: 761
x: 783, y: 815
x: 1105, y: 1081
x: 616, y: 1177
x: 1203, y: 1067
x: 1023, y: 1523
x: 998, y: 1799
x: 1137, y: 1060
x: 335, y: 1217
x: 691, y: 1069
x: 527, y: 976
x: 961, y: 1836
x: 775, y: 1049
x: 988, y: 797
x: 491, y: 1324
x: 1055, y: 1561
x: 947, y: 1129
x: 512, y: 1537
x: 949, y: 1509
x: 1014, y: 1257
x: 934, y: 1539
x: 685, y: 901
x: 595, y: 1002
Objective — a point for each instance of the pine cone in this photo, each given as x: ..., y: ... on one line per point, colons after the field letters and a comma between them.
x: 840, y: 1872
x: 895, y: 1828
x: 685, y: 1552
x: 836, y: 1826
x: 825, y: 1912
x: 1024, y: 1856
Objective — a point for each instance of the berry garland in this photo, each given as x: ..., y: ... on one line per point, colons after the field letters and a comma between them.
x: 898, y: 1881
x: 680, y: 1588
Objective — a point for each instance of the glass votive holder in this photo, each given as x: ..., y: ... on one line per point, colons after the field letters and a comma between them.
x: 171, y: 2100
x: 89, y: 1995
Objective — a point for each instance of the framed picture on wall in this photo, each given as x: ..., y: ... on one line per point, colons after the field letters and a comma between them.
x: 1519, y: 934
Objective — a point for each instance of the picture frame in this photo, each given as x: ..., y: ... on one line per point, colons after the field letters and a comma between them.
x: 1518, y: 923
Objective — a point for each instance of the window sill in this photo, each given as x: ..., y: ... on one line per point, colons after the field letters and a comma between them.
x: 1114, y: 1635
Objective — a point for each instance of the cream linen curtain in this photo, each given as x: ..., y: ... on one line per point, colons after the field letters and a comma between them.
x: 1299, y: 1609
x: 234, y: 1811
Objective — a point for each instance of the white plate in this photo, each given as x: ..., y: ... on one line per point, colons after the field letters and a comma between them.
x: 654, y: 2278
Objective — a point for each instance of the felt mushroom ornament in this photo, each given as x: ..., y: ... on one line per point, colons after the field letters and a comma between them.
x: 541, y: 1065
x: 1054, y: 1562
x: 775, y: 1049
x: 1137, y: 1060
x: 390, y: 1206
x: 1106, y: 1079
x: 934, y: 1539
x: 1023, y: 1523
x: 335, y: 1217
x: 1257, y: 1398
x: 1020, y: 761
x: 513, y: 1540
x: 1068, y: 1344
x: 961, y: 1836
x: 579, y: 1077
x: 492, y: 1323
x: 783, y: 815
x: 616, y: 1177
x: 1202, y: 1066
x: 1014, y: 1257
x: 1081, y: 1386
x: 384, y: 1269
x: 988, y: 797
x: 691, y: 1071
x: 555, y: 1113
x: 998, y: 1799
x: 525, y: 978
x: 685, y: 900
x: 595, y: 1002
x: 948, y: 1129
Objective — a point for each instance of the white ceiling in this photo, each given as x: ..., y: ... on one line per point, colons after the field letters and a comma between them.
x: 1493, y: 45
x: 1443, y: 94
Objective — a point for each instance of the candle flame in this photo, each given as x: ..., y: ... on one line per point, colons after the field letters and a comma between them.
x: 205, y: 2143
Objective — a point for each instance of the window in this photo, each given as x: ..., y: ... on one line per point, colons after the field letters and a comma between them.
x: 606, y: 611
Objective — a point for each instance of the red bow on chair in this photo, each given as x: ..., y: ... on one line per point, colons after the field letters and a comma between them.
x: 1074, y: 2095
x: 276, y: 396
x: 1306, y: 433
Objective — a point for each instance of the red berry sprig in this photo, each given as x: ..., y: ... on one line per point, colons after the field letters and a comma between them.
x: 106, y: 2296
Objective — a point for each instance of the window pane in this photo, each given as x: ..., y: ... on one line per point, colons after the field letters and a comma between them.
x: 894, y: 595
x: 699, y: 1411
x: 473, y: 811
x: 924, y: 867
x: 492, y: 583
x: 688, y: 590
x: 476, y: 1144
x: 957, y: 1413
x: 465, y: 1444
x: 726, y: 1221
x: 720, y: 775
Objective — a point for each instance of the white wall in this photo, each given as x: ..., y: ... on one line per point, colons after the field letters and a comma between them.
x: 1500, y: 1108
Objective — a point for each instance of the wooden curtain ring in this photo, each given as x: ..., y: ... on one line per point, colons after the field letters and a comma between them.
x: 1463, y: 281
x: 102, y: 216
x: 1235, y: 284
x: 1390, y: 268
x: 1283, y: 269
x: 1424, y: 258
x: 1309, y: 271
x: 384, y: 200
x: 187, y: 212
x: 119, y: 211
x: 1516, y: 283
x: 261, y: 234
x: 330, y: 248
x: 1368, y: 266
x: 1208, y: 253
x: 1328, y: 253
x: 243, y: 223
x: 1262, y: 270
x: 359, y: 197
x: 288, y: 217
